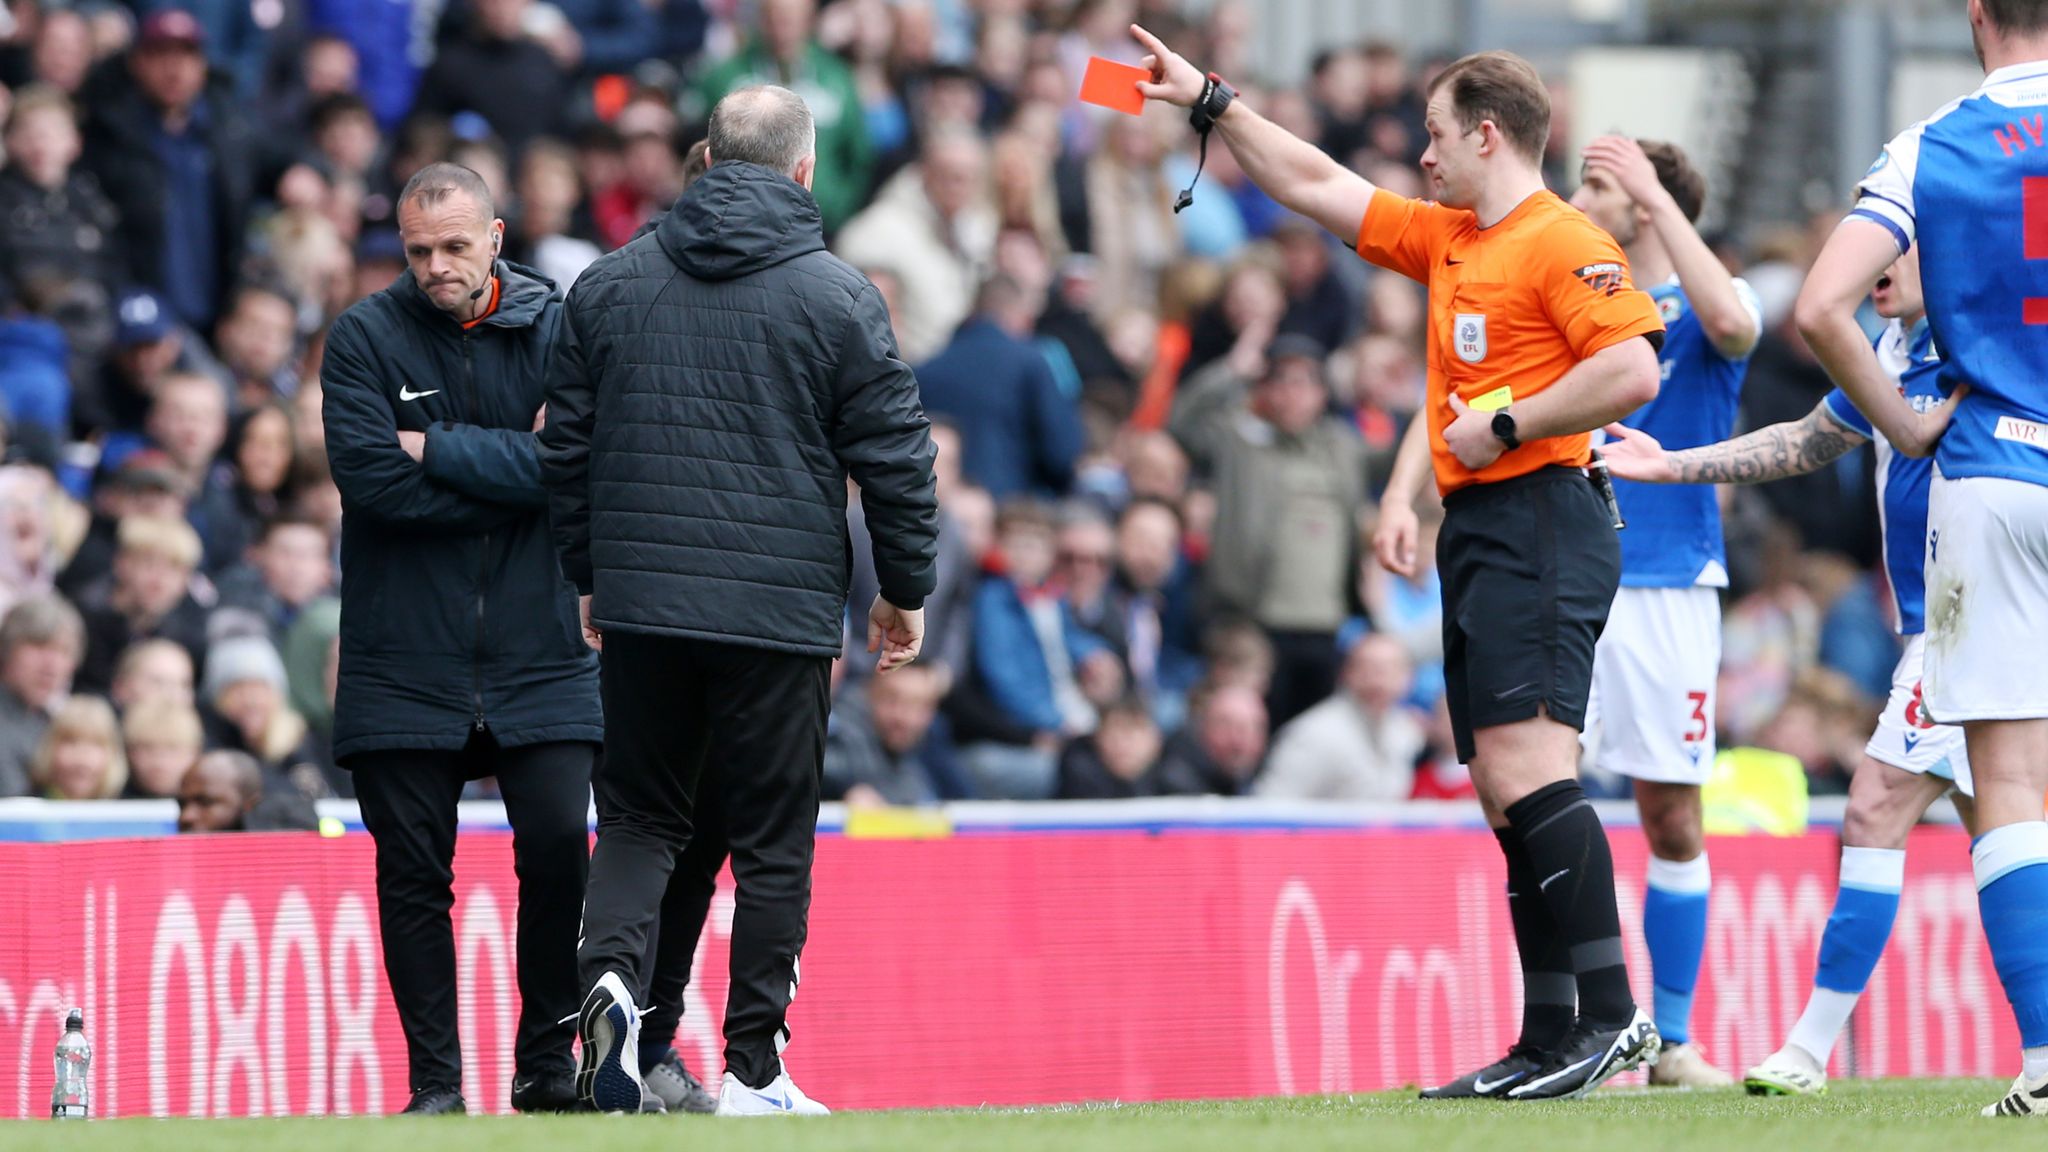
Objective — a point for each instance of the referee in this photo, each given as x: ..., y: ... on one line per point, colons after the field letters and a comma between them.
x: 1536, y: 337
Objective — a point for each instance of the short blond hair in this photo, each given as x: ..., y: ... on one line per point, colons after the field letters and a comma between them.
x: 161, y: 724
x: 83, y: 718
x: 167, y: 539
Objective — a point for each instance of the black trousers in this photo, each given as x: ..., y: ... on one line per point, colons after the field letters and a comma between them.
x: 1305, y: 666
x: 408, y: 800
x: 676, y: 709
x: 684, y: 908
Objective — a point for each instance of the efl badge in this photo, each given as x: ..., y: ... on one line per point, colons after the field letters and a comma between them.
x: 1470, y: 335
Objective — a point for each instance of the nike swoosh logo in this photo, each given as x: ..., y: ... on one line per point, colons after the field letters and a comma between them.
x: 1561, y: 1073
x: 1516, y: 690
x: 1485, y: 1086
x: 1553, y: 876
x: 1450, y: 263
x: 406, y: 393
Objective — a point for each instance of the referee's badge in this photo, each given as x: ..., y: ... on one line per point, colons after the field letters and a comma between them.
x: 1469, y: 332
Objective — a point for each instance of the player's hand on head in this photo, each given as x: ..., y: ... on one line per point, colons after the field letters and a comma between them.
x: 1174, y: 80
x: 1625, y: 160
x: 1396, y: 539
x: 1470, y: 436
x: 1635, y: 455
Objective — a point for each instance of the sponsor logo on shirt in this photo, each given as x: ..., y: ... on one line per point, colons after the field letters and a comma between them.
x: 2028, y: 432
x: 1606, y: 279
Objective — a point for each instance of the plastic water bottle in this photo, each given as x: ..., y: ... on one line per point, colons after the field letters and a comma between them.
x: 71, y: 1096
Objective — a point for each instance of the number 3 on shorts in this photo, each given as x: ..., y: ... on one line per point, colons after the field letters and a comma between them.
x: 1700, y: 726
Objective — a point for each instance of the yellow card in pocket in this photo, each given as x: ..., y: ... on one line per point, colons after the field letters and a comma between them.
x: 1493, y: 401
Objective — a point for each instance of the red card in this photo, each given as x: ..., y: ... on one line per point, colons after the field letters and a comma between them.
x: 1114, y: 85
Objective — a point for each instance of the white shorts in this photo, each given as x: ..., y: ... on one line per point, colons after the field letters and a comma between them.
x: 1906, y: 739
x: 1651, y: 714
x: 1987, y: 600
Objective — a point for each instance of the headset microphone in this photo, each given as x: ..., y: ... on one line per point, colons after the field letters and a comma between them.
x: 479, y: 293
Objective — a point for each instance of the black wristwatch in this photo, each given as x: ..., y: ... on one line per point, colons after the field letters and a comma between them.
x: 1504, y: 430
x: 1208, y: 108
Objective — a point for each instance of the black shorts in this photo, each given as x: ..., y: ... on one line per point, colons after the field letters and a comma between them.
x: 1529, y: 567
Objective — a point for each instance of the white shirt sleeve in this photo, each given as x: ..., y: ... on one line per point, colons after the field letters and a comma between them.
x: 1886, y: 194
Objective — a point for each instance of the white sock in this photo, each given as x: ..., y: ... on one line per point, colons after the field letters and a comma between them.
x: 1827, y: 1012
x: 2036, y: 1062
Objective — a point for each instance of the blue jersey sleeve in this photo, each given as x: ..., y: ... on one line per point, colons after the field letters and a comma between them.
x: 1845, y: 414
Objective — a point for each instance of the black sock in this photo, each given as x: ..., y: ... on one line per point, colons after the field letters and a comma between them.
x: 1574, y: 871
x: 1549, y: 994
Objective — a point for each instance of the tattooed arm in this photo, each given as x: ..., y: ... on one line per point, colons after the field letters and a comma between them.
x: 1790, y: 449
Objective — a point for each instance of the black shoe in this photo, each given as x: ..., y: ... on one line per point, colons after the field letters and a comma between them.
x: 1494, y: 1080
x: 436, y: 1101
x: 670, y: 1079
x: 1589, y: 1058
x: 554, y: 1092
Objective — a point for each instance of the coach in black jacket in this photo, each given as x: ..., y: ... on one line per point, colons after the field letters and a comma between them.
x: 717, y: 381
x: 461, y: 654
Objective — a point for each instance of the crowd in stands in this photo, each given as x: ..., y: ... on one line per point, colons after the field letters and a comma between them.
x: 1162, y: 437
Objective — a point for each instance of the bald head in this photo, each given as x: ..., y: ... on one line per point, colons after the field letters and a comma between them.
x: 767, y: 125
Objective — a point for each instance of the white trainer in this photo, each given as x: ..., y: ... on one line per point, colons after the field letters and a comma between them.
x: 2028, y: 1099
x: 780, y: 1098
x: 1686, y: 1066
x: 1790, y: 1071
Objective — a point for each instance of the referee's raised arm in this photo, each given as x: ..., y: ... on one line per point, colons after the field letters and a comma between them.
x: 1301, y: 176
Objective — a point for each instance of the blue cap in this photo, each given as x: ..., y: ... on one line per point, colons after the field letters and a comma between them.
x: 141, y: 318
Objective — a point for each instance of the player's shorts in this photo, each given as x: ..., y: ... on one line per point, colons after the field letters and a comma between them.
x: 1652, y: 712
x: 1529, y: 567
x: 1987, y: 599
x: 1906, y: 739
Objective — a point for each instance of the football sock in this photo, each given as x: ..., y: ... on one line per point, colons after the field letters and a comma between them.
x: 1675, y: 927
x: 2012, y: 893
x: 1866, y: 903
x: 1549, y: 994
x: 1568, y: 853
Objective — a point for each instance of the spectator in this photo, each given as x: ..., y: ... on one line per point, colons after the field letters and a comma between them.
x: 874, y: 746
x: 146, y: 486
x: 290, y: 566
x: 786, y: 52
x: 550, y: 192
x: 35, y: 376
x: 1361, y: 743
x: 1117, y: 761
x: 470, y: 74
x: 608, y: 35
x: 245, y: 688
x: 933, y: 227
x: 1319, y: 305
x: 1411, y: 609
x: 225, y: 792
x: 147, y: 345
x: 344, y: 132
x: 1149, y: 621
x: 312, y: 662
x: 1083, y: 561
x: 178, y: 161
x: 256, y: 340
x: 261, y: 446
x: 189, y: 421
x: 28, y: 551
x: 1131, y: 228
x: 80, y: 756
x: 1031, y: 659
x: 60, y: 228
x: 41, y: 639
x: 1221, y: 749
x: 1227, y: 355
x: 949, y: 610
x: 152, y: 670
x: 1019, y: 434
x: 1290, y: 493
x: 1386, y: 391
x: 328, y: 70
x: 162, y: 740
x: 148, y: 596
x: 384, y: 39
x: 62, y: 54
x: 651, y: 179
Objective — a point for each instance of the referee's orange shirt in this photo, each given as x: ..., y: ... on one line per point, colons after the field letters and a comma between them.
x: 1511, y: 309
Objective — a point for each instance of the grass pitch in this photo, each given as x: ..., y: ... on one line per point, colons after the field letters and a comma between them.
x: 1935, y: 1116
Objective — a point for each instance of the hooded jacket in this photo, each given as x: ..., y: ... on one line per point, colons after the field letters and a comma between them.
x: 454, y: 613
x: 716, y: 382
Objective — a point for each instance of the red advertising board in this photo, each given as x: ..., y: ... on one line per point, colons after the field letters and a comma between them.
x: 233, y: 976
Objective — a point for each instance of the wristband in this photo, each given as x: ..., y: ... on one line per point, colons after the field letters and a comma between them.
x: 1215, y: 98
